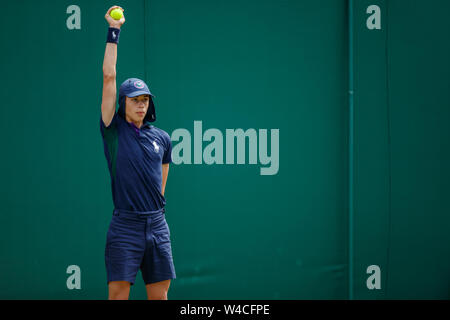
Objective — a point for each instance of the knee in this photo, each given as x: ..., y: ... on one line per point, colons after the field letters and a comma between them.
x: 158, y: 295
x: 158, y: 290
x: 118, y: 296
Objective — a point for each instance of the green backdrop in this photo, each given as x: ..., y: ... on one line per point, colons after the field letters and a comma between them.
x: 250, y: 65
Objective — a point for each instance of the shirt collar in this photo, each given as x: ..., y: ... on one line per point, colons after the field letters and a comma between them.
x: 145, y: 124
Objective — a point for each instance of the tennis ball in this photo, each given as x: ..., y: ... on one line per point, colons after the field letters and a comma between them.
x: 116, y: 14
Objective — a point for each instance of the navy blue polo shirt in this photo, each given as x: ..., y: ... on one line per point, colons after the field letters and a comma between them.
x: 135, y: 157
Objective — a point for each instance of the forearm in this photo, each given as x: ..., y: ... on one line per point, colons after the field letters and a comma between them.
x: 163, y: 187
x: 110, y: 60
x: 165, y: 173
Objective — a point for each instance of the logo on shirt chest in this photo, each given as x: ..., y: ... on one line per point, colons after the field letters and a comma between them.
x: 155, y: 146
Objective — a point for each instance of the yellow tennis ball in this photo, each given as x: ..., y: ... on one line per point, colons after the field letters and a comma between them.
x: 116, y: 14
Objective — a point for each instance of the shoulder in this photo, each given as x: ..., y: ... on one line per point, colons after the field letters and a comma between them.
x: 111, y: 127
x: 161, y: 133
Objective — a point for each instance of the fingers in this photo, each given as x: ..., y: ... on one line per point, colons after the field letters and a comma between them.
x: 114, y: 7
x: 110, y: 19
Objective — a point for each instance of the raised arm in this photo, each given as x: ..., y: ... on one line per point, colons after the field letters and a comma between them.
x: 109, y: 71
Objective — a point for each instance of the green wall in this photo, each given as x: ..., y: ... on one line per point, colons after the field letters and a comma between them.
x: 402, y: 172
x: 254, y: 65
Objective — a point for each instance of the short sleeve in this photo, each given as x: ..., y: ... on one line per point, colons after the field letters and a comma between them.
x: 113, y: 123
x: 167, y: 157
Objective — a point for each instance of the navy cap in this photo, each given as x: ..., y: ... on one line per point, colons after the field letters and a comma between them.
x: 134, y: 87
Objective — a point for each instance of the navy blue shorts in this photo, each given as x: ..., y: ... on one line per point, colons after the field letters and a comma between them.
x: 139, y: 240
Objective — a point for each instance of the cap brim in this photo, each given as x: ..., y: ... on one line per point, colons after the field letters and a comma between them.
x: 138, y: 93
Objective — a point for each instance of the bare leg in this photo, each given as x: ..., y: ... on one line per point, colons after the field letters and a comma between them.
x: 118, y: 290
x: 158, y: 290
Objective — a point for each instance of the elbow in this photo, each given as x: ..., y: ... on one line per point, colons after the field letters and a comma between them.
x: 109, y: 74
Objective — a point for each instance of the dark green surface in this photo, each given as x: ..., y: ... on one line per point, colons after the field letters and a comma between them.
x: 236, y: 234
x: 419, y: 78
x: 402, y: 171
x: 372, y: 151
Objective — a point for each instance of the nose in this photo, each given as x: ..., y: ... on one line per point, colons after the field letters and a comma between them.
x: 141, y: 104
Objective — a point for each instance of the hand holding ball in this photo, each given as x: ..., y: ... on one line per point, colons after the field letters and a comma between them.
x: 116, y: 14
x: 115, y: 17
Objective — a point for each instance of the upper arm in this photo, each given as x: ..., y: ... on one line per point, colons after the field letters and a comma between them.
x: 108, y: 99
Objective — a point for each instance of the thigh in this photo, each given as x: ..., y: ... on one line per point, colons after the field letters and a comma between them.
x: 157, y: 264
x: 125, y: 246
x: 158, y: 290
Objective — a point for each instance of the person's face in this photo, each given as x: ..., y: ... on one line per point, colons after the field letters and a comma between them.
x: 136, y: 107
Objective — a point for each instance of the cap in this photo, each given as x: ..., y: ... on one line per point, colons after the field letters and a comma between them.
x: 134, y: 87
